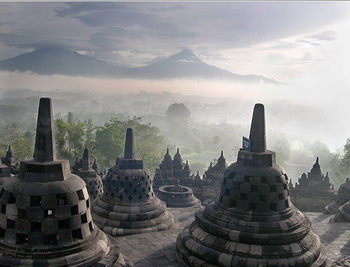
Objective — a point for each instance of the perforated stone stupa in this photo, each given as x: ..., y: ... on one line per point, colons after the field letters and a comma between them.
x: 89, y: 175
x: 178, y: 196
x: 128, y: 204
x: 45, y: 217
x: 253, y: 223
x: 343, y: 196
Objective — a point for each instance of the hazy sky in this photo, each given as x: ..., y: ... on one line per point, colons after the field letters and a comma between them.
x: 303, y: 44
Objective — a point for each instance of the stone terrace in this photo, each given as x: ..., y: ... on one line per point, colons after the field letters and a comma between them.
x: 158, y: 248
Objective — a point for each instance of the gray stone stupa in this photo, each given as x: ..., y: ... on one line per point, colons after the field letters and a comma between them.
x: 89, y: 175
x: 45, y: 217
x: 10, y: 161
x: 343, y: 196
x: 128, y: 204
x: 4, y: 173
x: 178, y: 196
x: 253, y: 222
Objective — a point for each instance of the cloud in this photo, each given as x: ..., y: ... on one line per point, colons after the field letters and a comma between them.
x: 324, y: 36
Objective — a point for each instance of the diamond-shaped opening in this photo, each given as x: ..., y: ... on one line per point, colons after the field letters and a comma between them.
x: 126, y: 191
x: 3, y: 208
x: 22, y: 213
x: 77, y: 234
x: 143, y: 190
x: 121, y: 197
x: 135, y: 191
x: 35, y: 201
x: 126, y: 178
x: 130, y: 198
x: 61, y: 199
x: 49, y: 213
x: 2, y: 233
x: 80, y: 194
x: 63, y: 224
x: 35, y: 227
x: 143, y: 178
x: 21, y: 239
x: 146, y: 183
x: 10, y: 224
x: 12, y: 199
x: 50, y: 239
x: 147, y: 195
x: 91, y: 226
x: 130, y: 184
x: 140, y: 197
x: 83, y: 218
x: 74, y: 209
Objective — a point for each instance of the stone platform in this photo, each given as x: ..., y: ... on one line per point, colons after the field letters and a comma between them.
x: 158, y: 248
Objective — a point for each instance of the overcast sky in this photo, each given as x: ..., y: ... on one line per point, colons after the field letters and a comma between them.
x: 304, y: 44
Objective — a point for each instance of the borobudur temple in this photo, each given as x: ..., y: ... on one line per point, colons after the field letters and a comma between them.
x: 45, y: 217
x: 128, y: 204
x: 89, y: 175
x: 253, y: 222
x: 178, y: 196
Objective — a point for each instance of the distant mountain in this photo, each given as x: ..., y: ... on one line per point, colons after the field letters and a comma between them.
x: 187, y: 65
x: 61, y: 61
x: 58, y: 61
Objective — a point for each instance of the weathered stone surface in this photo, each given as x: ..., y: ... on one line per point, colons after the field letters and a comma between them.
x: 45, y: 210
x: 245, y: 216
x: 178, y: 196
x: 86, y: 171
x: 128, y: 204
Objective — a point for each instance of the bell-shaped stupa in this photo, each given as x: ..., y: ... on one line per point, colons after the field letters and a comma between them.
x: 45, y: 217
x: 342, y: 197
x: 89, y: 175
x: 128, y: 204
x: 253, y: 222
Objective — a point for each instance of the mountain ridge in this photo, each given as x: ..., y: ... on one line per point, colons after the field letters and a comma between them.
x: 184, y: 64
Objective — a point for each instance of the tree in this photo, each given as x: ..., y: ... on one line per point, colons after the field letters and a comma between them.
x: 22, y: 142
x: 110, y: 139
x: 178, y: 111
x: 70, y: 137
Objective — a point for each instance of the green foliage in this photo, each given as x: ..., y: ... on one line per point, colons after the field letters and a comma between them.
x: 178, y: 111
x: 70, y: 136
x: 110, y: 139
x: 22, y: 142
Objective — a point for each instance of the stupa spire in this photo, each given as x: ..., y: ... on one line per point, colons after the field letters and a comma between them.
x: 257, y: 130
x: 45, y: 148
x: 86, y: 159
x: 129, y: 151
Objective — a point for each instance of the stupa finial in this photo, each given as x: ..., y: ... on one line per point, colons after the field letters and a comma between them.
x: 86, y: 159
x: 45, y: 147
x: 129, y: 151
x: 257, y: 130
